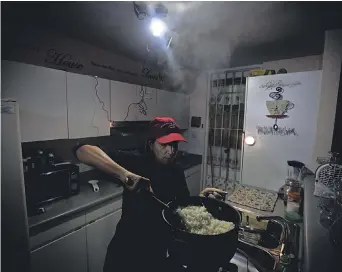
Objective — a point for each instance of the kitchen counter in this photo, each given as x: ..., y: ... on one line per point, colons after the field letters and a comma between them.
x: 319, y: 254
x: 66, y: 209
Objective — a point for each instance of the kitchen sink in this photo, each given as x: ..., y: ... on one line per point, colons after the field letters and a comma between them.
x: 266, y: 234
x: 270, y: 241
x: 260, y: 258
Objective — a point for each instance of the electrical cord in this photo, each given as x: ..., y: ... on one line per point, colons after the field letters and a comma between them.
x: 101, y: 102
x: 102, y: 106
x: 142, y: 106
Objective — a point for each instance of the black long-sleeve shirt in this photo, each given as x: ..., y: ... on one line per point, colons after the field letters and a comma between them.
x: 142, y: 233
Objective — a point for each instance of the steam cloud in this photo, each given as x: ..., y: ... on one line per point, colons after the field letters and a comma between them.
x: 207, y: 34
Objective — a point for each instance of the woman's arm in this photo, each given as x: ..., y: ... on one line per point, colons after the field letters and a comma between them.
x: 94, y: 156
x: 213, y: 193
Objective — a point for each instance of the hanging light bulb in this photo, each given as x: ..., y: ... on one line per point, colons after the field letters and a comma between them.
x: 157, y: 27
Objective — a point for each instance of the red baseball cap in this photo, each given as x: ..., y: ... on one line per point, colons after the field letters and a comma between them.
x: 165, y: 130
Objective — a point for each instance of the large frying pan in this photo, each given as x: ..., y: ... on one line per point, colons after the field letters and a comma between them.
x: 197, y: 251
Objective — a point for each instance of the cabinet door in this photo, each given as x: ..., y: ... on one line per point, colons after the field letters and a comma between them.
x: 88, y: 106
x: 41, y: 93
x: 67, y: 254
x: 99, y: 235
x: 123, y: 96
x: 150, y: 98
x: 194, y: 183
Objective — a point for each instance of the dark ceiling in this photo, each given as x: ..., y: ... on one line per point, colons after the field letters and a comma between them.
x: 206, y: 34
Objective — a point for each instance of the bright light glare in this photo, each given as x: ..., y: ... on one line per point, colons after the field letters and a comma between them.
x: 250, y: 140
x: 157, y: 27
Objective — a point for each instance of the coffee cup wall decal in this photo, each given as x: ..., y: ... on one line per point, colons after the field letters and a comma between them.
x: 278, y: 108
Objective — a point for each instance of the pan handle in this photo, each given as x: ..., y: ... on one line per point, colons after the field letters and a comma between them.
x: 159, y: 201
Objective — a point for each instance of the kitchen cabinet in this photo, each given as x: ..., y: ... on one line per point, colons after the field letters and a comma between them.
x: 122, y: 98
x: 41, y: 93
x: 150, y: 98
x: 99, y: 235
x: 193, y: 180
x: 79, y: 244
x: 175, y: 105
x: 88, y: 106
x: 52, y: 234
x: 67, y: 254
x: 125, y: 97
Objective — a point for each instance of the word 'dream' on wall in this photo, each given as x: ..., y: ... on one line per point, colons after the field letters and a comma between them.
x: 282, y: 131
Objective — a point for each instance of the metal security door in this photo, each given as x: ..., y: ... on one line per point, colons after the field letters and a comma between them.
x: 226, y: 117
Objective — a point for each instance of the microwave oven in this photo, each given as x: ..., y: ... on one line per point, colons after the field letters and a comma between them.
x: 57, y: 182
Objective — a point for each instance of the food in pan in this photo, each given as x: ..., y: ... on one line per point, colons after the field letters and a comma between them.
x: 199, y: 221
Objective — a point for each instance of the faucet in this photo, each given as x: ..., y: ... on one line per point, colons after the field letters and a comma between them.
x: 288, y: 252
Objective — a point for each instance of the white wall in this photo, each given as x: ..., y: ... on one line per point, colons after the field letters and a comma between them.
x: 198, y: 107
x: 331, y: 66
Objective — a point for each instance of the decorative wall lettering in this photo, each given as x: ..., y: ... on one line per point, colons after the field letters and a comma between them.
x: 52, y: 50
x: 273, y: 84
x: 62, y: 59
x: 109, y: 67
x: 146, y: 72
x: 281, y: 131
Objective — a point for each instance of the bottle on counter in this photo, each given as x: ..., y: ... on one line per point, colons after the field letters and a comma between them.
x: 292, y: 200
x: 25, y: 165
x: 40, y: 160
x: 51, y: 159
x: 30, y: 164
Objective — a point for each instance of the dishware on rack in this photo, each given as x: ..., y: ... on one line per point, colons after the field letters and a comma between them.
x: 331, y: 205
x: 328, y: 186
x: 326, y: 175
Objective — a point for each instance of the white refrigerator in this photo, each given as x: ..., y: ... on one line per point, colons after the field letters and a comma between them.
x: 14, y: 227
x: 281, y: 115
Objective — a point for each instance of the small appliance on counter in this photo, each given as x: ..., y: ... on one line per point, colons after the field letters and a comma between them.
x: 47, y: 181
x: 292, y: 191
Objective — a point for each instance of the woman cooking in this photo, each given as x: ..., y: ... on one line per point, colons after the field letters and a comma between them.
x: 141, y: 237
